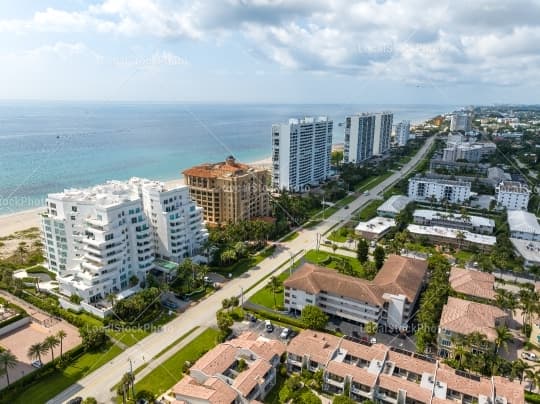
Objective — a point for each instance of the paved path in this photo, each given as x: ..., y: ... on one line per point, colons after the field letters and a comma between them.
x: 99, y: 382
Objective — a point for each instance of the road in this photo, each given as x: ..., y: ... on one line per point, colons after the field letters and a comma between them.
x: 98, y: 383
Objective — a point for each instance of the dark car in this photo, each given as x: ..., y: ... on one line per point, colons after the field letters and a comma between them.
x: 75, y: 400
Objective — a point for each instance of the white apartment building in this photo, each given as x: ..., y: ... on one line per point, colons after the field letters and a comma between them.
x: 477, y: 224
x: 99, y: 239
x: 402, y: 132
x: 512, y: 195
x: 387, y: 300
x: 426, y: 189
x: 461, y: 121
x: 382, y: 133
x: 301, y: 152
x: 359, y: 137
x: 523, y: 225
x: 472, y: 152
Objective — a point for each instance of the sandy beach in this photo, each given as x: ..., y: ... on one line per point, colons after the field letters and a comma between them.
x: 25, y: 219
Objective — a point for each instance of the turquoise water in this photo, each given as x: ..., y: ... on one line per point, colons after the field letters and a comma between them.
x: 47, y: 147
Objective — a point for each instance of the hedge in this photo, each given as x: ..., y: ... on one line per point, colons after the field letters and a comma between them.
x: 532, y: 397
x: 13, y: 319
x: 278, y: 317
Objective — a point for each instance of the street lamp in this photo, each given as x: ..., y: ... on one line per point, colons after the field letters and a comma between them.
x: 291, y: 262
x: 242, y: 296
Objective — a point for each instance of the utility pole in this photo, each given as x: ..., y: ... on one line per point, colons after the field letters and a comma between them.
x: 132, y: 378
x: 242, y: 296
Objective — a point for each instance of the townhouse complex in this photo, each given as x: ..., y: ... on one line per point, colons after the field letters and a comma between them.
x: 229, y: 191
x: 103, y: 239
x: 301, y: 152
x: 392, y: 375
x: 387, y: 300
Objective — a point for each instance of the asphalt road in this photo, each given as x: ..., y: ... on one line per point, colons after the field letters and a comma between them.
x: 98, y: 383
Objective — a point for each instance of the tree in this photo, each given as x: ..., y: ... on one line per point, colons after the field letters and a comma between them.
x: 308, y: 397
x: 35, y: 351
x: 503, y: 336
x: 228, y: 256
x: 224, y: 322
x: 336, y: 158
x: 111, y: 298
x: 93, y: 338
x: 61, y: 334
x: 7, y: 361
x: 371, y: 328
x: 22, y: 250
x: 314, y: 318
x: 51, y: 342
x: 334, y: 247
x: 378, y: 256
x: 125, y: 384
x: 362, y: 250
x: 460, y: 237
x: 343, y: 400
x: 274, y: 284
x: 89, y: 400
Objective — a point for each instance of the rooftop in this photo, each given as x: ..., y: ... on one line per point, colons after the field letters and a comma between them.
x: 376, y: 225
x: 476, y: 221
x: 398, y: 276
x: 513, y: 186
x: 440, y: 231
x: 228, y: 168
x: 213, y: 390
x: 473, y: 283
x: 440, y: 181
x: 394, y: 204
x: 529, y: 250
x: 465, y: 317
x: 522, y: 221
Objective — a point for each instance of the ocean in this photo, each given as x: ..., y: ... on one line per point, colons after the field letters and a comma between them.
x: 49, y: 146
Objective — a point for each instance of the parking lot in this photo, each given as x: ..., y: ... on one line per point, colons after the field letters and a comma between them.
x: 258, y: 326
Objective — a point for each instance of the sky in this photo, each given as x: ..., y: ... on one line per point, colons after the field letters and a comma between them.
x: 296, y: 51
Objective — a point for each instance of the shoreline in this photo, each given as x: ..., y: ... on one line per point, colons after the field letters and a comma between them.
x: 17, y: 221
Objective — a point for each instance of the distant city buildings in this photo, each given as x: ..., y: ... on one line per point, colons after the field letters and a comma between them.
x: 461, y: 121
x: 470, y: 152
x: 402, y: 132
x: 99, y: 239
x: 512, y: 195
x: 387, y: 300
x: 229, y: 191
x: 359, y: 136
x: 438, y: 190
x: 382, y: 133
x: 301, y: 152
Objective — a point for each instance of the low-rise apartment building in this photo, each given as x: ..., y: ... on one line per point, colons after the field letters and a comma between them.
x: 512, y: 195
x: 375, y: 228
x: 438, y: 190
x: 472, y: 283
x: 476, y: 224
x: 388, y: 300
x: 229, y: 192
x: 393, y: 206
x: 238, y: 371
x: 390, y: 375
x: 523, y: 225
x: 528, y: 250
x: 460, y: 318
x: 454, y: 237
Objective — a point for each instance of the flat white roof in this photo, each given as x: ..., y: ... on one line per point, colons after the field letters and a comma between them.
x: 394, y: 204
x: 440, y: 231
x: 376, y: 225
x: 529, y: 250
x: 456, y: 217
x: 520, y: 220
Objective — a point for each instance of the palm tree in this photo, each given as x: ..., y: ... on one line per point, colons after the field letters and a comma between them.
x: 61, y: 334
x: 35, y: 351
x: 506, y: 300
x: 7, y: 361
x: 533, y: 377
x: 503, y: 336
x: 274, y: 285
x: 371, y: 328
x: 518, y: 369
x: 21, y: 250
x: 111, y: 298
x: 51, y: 342
x: 460, y: 237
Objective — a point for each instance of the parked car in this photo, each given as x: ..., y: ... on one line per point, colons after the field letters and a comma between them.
x: 170, y: 304
x: 530, y: 356
x: 284, y: 333
x: 75, y: 400
x: 268, y: 326
x: 366, y: 193
x: 37, y: 364
x: 373, y: 340
x: 346, y: 207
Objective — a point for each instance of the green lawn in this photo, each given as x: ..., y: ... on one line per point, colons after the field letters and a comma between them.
x: 369, y: 183
x: 291, y: 236
x: 89, y: 320
x: 342, y: 234
x: 312, y: 223
x: 462, y: 257
x: 169, y: 372
x: 265, y: 297
x: 370, y: 210
x: 129, y: 337
x: 238, y: 268
x: 48, y: 387
x: 322, y: 258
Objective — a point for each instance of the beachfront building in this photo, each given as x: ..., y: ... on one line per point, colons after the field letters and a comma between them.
x: 472, y: 284
x: 438, y: 190
x: 393, y: 206
x: 301, y: 152
x: 359, y: 136
x: 461, y: 318
x: 477, y: 224
x: 512, y: 195
x: 387, y: 300
x: 104, y: 239
x: 402, y: 132
x: 389, y: 375
x: 461, y: 121
x: 523, y: 225
x: 229, y: 191
x: 239, y: 371
x: 382, y: 132
x: 375, y: 228
x: 451, y: 236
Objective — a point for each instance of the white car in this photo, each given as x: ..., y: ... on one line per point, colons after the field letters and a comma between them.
x: 37, y: 364
x: 530, y: 356
x: 285, y: 333
x: 373, y: 340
